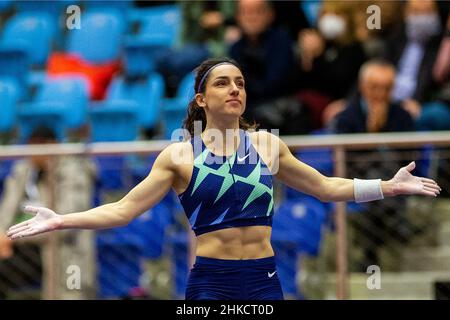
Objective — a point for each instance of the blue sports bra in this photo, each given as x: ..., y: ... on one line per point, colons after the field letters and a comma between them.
x: 226, y: 192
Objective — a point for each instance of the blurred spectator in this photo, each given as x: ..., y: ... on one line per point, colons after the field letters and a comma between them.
x: 372, y: 111
x: 30, y: 184
x: 413, y: 49
x: 373, y: 39
x: 330, y: 58
x: 205, y: 23
x: 265, y: 54
x: 436, y: 114
x: 290, y: 16
x: 206, y: 31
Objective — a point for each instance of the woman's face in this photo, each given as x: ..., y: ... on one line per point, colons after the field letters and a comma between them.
x: 224, y: 92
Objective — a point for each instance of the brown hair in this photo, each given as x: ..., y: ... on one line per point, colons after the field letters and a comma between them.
x: 196, y: 113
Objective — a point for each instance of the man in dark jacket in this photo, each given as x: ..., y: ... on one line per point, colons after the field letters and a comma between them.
x: 371, y: 110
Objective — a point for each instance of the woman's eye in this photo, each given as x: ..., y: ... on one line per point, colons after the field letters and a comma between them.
x: 221, y: 83
x: 240, y: 84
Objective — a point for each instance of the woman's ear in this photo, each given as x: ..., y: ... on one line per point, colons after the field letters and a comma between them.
x: 200, y: 100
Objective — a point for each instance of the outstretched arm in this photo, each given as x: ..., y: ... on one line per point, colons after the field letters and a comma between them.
x: 304, y: 178
x: 142, y: 197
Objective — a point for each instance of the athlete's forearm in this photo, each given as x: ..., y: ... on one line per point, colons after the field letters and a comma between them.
x: 341, y: 189
x: 103, y: 217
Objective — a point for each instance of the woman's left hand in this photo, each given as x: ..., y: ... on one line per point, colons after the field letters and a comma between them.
x: 406, y: 184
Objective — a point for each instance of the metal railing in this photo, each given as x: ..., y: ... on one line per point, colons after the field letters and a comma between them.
x: 340, y: 144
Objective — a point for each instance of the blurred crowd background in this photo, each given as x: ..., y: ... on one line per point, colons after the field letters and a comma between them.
x: 104, y: 71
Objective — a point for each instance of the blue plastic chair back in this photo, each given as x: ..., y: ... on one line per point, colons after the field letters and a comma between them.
x: 69, y: 95
x: 33, y: 32
x: 153, y: 226
x: 180, y: 259
x: 286, y: 255
x: 423, y: 165
x: 159, y: 26
x: 100, y: 37
x: 5, y: 169
x: 175, y: 110
x: 5, y: 5
x: 147, y: 93
x: 53, y: 7
x: 119, y: 269
x: 14, y: 63
x: 300, y: 222
x: 102, y: 4
x: 9, y: 95
x: 112, y: 173
x: 114, y: 121
x: 158, y: 31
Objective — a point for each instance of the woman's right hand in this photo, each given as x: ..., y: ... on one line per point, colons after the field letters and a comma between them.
x: 45, y: 220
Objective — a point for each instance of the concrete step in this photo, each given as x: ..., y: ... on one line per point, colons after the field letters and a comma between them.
x: 444, y: 234
x: 426, y: 259
x: 393, y: 285
x: 441, y: 210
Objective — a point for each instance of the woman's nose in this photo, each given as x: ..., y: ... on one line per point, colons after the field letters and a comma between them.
x: 234, y: 89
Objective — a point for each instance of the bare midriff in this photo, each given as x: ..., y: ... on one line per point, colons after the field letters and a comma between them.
x: 236, y: 243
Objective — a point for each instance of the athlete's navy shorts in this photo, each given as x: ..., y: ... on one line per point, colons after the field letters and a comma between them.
x: 219, y: 279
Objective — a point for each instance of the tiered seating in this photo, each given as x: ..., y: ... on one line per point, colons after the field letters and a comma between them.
x: 61, y: 103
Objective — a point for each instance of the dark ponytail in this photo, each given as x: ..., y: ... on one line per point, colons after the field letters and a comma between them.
x: 197, y: 113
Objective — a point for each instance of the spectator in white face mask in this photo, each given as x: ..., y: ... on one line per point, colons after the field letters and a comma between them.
x: 413, y: 49
x: 330, y: 57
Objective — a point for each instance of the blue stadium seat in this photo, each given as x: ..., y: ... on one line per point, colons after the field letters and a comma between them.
x: 300, y: 221
x: 145, y: 232
x: 180, y: 262
x: 29, y: 119
x: 297, y: 228
x: 120, y: 250
x: 152, y: 226
x: 31, y: 32
x: 114, y: 121
x: 158, y: 29
x: 119, y: 270
x: 146, y: 93
x: 9, y: 95
x: 159, y: 25
x: 175, y: 109
x: 112, y: 173
x: 14, y: 63
x: 53, y: 7
x: 424, y: 163
x: 286, y: 259
x: 63, y: 99
x: 100, y: 38
x: 69, y: 94
x: 5, y: 5
x: 5, y: 169
x: 102, y: 4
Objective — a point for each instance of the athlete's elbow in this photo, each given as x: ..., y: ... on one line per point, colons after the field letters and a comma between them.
x: 325, y: 191
x: 122, y: 217
x: 324, y: 197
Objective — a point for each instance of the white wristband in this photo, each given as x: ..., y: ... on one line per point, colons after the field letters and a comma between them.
x: 367, y: 190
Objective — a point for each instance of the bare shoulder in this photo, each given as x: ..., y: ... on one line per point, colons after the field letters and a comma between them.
x: 268, y: 147
x: 176, y: 154
x: 264, y: 139
x: 263, y: 134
